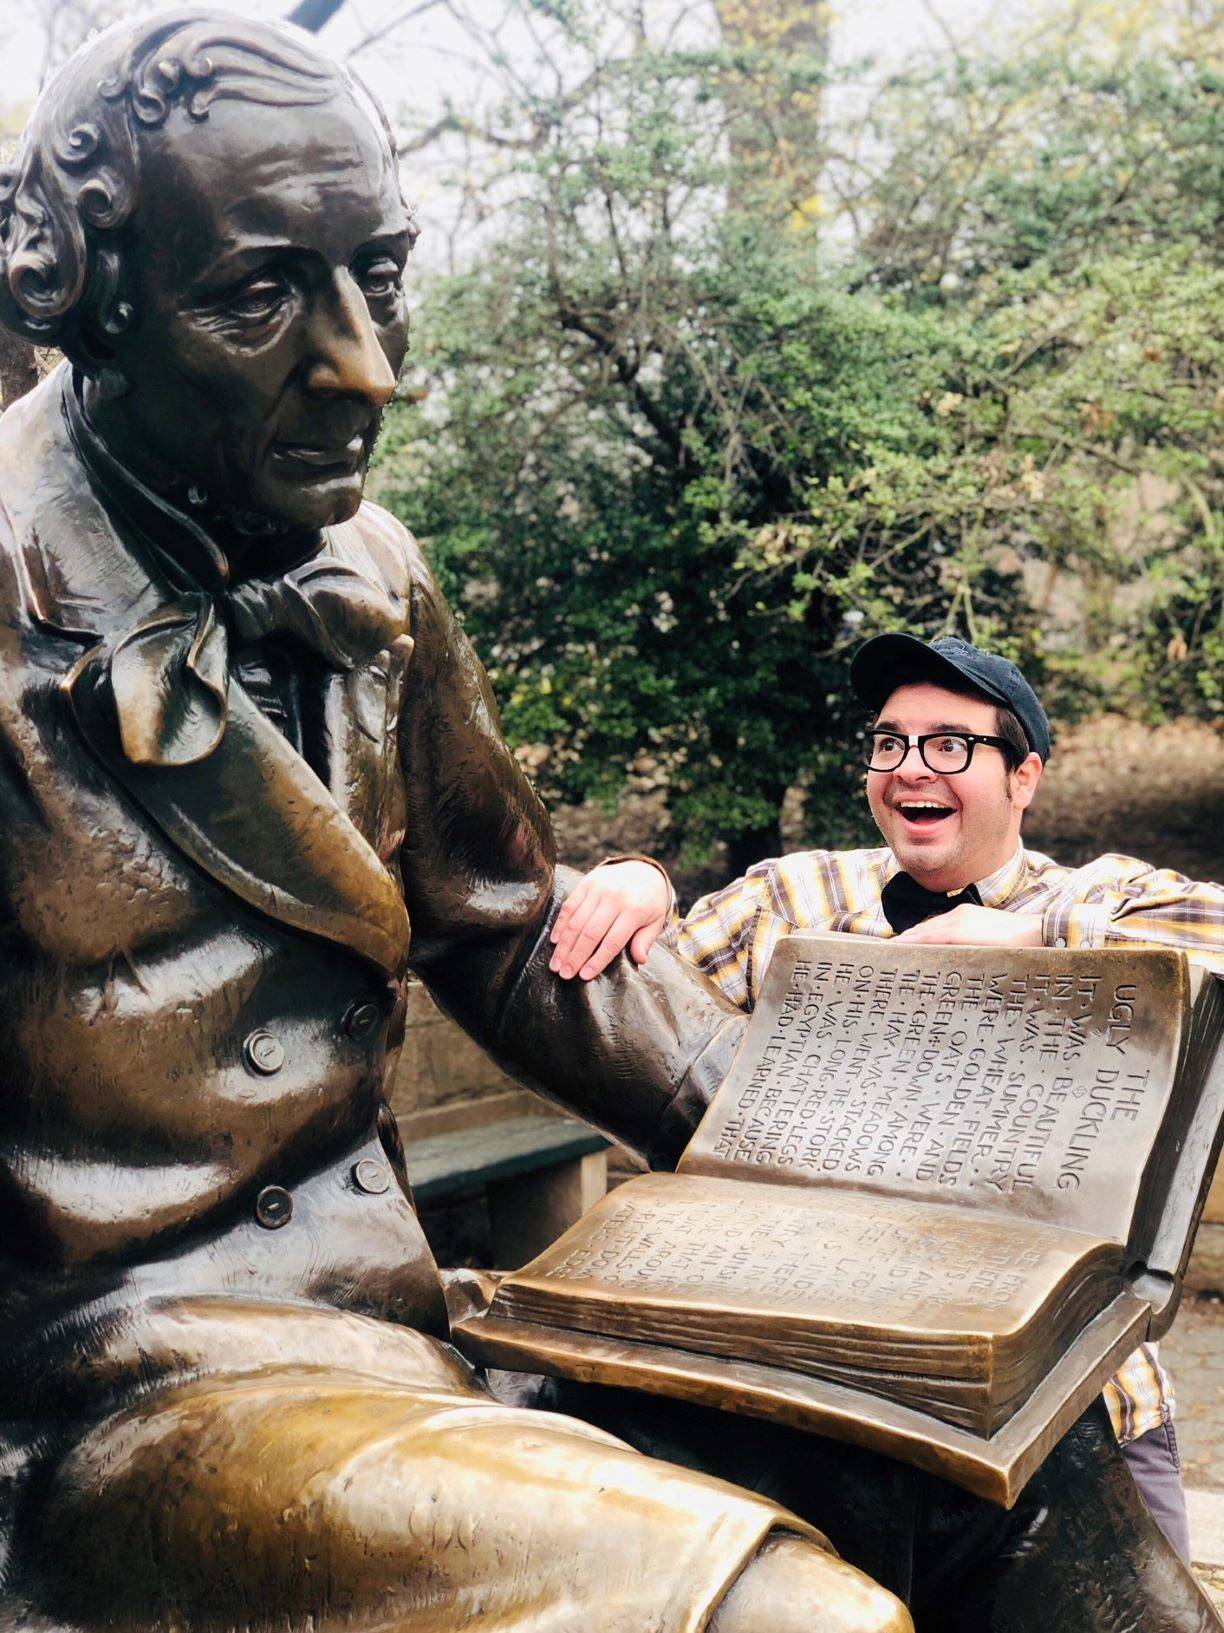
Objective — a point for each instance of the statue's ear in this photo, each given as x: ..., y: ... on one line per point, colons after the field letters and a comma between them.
x: 106, y: 315
x: 97, y: 363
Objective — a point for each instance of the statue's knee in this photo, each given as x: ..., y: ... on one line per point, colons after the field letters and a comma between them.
x: 794, y: 1586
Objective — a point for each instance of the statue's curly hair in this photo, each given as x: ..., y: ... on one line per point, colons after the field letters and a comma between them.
x: 72, y: 184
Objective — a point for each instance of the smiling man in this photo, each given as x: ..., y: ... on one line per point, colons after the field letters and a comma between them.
x: 951, y: 771
x: 242, y: 743
x: 954, y: 756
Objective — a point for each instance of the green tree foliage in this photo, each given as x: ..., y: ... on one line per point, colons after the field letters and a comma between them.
x: 1062, y: 210
x: 678, y: 439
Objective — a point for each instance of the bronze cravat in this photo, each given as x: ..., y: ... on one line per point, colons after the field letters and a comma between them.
x: 170, y: 675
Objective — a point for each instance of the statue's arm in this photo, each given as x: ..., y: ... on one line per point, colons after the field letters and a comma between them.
x: 635, y: 1051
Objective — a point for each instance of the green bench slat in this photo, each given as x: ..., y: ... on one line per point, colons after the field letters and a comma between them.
x: 447, y: 1164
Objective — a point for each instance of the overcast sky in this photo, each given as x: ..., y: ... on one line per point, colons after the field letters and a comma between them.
x: 427, y: 60
x: 424, y: 60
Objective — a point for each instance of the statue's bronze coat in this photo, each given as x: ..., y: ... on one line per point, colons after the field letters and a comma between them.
x: 250, y: 775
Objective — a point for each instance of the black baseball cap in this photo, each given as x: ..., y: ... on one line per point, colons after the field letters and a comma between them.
x: 889, y: 661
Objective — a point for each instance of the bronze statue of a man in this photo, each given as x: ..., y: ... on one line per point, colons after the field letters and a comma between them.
x: 242, y: 745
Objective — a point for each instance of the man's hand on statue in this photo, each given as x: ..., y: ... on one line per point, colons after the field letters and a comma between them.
x: 618, y: 904
x: 971, y: 926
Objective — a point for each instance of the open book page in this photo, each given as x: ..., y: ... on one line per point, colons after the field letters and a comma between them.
x: 1028, y: 1083
x: 958, y: 1315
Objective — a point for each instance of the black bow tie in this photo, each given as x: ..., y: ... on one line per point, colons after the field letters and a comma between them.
x: 906, y: 902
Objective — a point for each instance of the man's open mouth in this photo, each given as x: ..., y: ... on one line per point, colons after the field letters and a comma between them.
x: 924, y: 813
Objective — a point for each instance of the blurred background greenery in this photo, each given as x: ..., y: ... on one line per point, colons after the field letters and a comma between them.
x: 746, y: 369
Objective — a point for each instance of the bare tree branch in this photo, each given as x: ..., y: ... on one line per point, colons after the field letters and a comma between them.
x: 313, y: 15
x: 18, y: 368
x: 396, y: 20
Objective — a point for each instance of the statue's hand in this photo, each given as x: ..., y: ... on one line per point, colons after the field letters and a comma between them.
x: 617, y: 904
x: 467, y: 1291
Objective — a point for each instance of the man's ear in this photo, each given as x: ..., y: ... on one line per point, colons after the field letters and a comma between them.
x: 1024, y: 780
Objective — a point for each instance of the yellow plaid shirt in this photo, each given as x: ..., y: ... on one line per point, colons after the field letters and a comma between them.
x: 1114, y: 900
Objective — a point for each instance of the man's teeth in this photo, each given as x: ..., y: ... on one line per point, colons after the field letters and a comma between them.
x: 915, y: 806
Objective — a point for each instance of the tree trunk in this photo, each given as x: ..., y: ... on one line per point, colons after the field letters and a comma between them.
x: 746, y: 849
x: 18, y: 368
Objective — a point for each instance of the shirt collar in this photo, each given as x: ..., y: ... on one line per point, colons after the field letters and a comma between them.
x: 997, y: 888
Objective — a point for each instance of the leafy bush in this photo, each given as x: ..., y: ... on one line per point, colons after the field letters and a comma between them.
x: 677, y: 442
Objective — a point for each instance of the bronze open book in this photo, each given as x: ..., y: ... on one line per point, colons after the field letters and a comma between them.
x: 941, y: 1193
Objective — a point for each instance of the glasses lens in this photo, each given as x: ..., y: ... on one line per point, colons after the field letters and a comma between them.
x: 882, y: 751
x: 946, y: 753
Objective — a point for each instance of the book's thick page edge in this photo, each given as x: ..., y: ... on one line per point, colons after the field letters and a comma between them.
x: 997, y: 1469
x: 539, y: 1276
x: 1167, y: 1251
x: 1156, y: 1181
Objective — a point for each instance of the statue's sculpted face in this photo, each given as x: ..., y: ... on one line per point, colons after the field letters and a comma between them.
x: 267, y: 250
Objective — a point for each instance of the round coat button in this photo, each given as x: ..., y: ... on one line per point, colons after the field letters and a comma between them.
x: 265, y: 1053
x: 360, y: 1017
x: 273, y: 1207
x: 371, y: 1177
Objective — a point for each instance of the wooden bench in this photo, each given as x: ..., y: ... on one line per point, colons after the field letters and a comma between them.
x: 539, y: 1175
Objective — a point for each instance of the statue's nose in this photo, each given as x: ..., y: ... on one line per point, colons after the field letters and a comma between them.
x: 346, y: 357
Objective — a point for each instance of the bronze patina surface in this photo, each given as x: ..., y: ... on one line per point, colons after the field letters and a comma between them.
x: 251, y: 774
x: 936, y: 1200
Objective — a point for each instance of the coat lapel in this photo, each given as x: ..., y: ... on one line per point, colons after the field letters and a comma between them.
x: 351, y: 721
x: 252, y: 814
x: 255, y: 817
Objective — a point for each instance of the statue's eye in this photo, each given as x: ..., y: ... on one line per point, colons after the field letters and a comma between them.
x: 380, y: 278
x: 258, y: 299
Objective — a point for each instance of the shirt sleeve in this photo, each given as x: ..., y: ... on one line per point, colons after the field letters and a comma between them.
x: 1117, y: 901
x: 730, y: 934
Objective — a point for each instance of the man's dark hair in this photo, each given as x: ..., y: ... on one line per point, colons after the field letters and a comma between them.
x: 69, y: 193
x: 1008, y: 727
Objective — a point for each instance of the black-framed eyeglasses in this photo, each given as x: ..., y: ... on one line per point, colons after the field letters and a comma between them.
x: 945, y: 752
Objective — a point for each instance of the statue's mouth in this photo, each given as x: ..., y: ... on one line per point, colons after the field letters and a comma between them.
x: 333, y: 458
